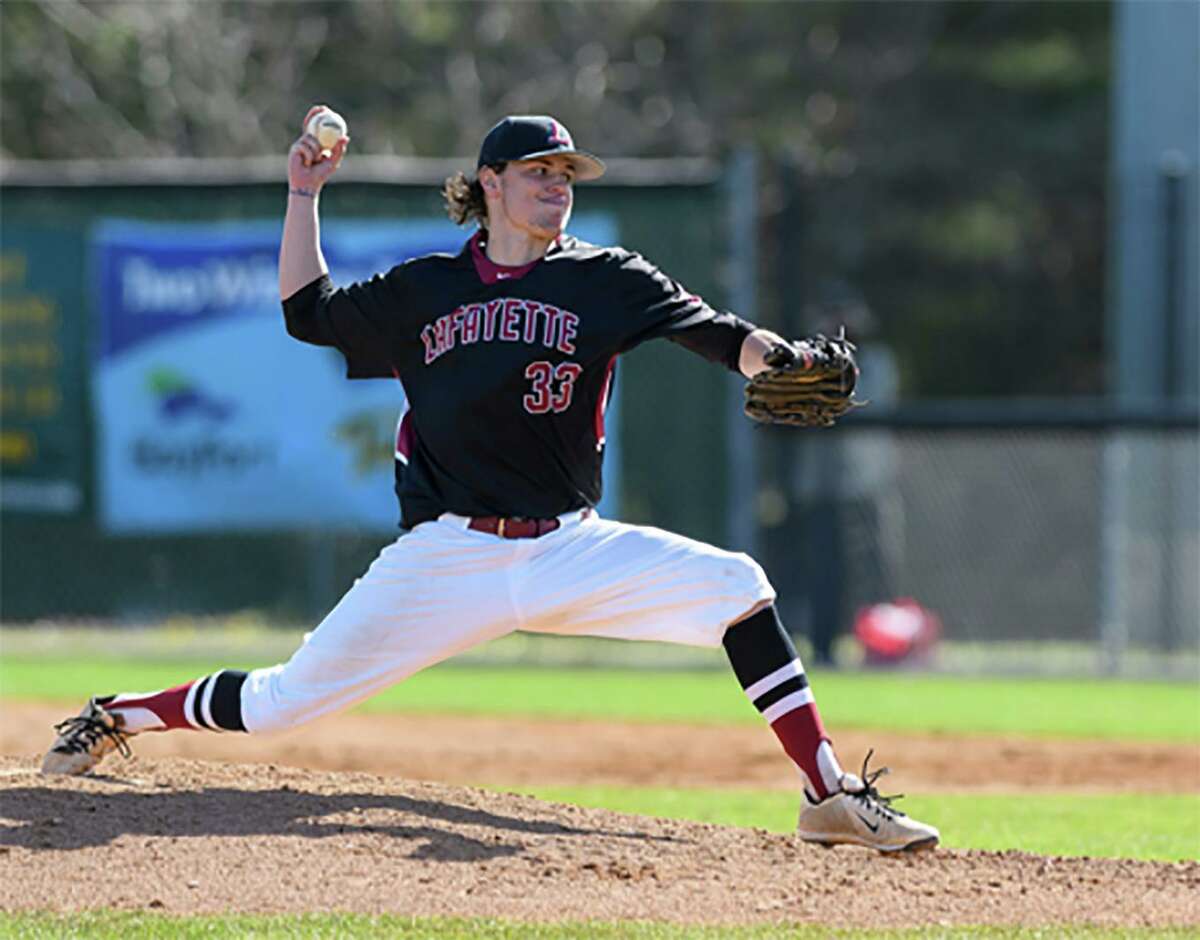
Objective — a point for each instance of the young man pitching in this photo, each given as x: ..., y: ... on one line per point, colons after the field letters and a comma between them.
x: 507, y: 352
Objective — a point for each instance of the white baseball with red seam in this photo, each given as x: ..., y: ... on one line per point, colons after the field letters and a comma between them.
x: 328, y: 127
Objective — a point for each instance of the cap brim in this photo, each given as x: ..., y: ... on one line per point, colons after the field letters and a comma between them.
x: 587, y: 167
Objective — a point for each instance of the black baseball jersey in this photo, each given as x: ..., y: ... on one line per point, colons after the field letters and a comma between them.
x: 507, y: 371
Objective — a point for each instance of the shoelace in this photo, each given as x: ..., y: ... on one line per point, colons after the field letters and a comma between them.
x: 870, y: 797
x: 82, y: 732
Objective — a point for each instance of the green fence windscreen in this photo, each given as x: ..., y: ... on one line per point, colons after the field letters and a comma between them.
x: 57, y: 562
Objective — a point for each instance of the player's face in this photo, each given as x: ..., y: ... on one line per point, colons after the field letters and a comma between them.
x: 537, y: 195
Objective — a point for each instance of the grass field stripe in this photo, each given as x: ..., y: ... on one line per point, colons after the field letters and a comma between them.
x: 788, y: 703
x: 1127, y: 710
x: 769, y: 682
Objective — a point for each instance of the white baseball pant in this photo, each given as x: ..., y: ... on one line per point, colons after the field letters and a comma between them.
x: 443, y: 587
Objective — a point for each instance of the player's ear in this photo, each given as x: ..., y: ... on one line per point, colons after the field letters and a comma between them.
x: 489, y: 179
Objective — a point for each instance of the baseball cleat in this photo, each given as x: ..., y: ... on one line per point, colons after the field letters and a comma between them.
x: 84, y: 740
x: 858, y: 815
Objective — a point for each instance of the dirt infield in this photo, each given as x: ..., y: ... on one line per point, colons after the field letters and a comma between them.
x: 282, y: 827
x: 483, y: 751
x: 184, y: 836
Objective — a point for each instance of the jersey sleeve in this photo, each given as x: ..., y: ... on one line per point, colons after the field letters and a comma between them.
x: 657, y: 305
x: 357, y: 319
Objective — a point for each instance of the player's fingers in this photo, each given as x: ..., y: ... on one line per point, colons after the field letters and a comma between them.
x: 316, y: 108
x: 329, y: 165
x: 306, y: 150
x: 339, y: 151
x: 309, y: 147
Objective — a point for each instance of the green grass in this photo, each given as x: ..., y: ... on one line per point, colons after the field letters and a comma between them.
x: 140, y: 926
x: 915, y: 703
x: 1158, y: 827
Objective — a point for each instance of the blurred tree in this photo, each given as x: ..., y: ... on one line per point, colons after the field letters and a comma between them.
x: 947, y: 158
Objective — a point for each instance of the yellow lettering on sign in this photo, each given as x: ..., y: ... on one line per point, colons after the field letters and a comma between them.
x: 31, y: 401
x: 13, y: 265
x: 27, y: 308
x: 17, y: 447
x: 42, y: 401
x: 30, y: 354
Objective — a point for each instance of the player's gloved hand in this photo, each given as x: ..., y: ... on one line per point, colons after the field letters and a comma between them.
x: 308, y: 166
x: 808, y: 383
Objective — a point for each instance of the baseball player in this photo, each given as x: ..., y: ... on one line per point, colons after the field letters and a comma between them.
x: 507, y: 352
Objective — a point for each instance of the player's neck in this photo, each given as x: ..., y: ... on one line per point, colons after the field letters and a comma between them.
x: 513, y: 247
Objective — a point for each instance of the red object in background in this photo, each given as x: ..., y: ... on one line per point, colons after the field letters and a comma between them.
x: 895, y: 632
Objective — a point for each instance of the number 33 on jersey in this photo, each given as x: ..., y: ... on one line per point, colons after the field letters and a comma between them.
x: 552, y: 386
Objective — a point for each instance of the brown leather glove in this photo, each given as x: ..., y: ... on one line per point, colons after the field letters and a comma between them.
x: 810, y: 383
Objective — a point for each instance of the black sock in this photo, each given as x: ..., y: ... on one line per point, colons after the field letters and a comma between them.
x: 226, y: 703
x: 771, y: 674
x: 758, y: 645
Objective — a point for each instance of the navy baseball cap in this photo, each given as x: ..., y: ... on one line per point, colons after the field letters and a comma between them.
x: 526, y: 136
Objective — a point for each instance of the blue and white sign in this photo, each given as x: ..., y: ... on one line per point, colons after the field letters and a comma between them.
x: 209, y: 416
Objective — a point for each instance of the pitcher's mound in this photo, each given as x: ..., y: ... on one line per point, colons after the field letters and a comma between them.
x: 192, y: 837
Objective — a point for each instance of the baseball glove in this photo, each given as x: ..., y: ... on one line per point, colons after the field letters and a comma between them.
x: 809, y: 383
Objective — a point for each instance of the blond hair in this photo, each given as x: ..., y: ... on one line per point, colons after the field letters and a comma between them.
x: 464, y: 199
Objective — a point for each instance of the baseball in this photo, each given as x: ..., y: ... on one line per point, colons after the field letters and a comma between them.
x: 328, y: 127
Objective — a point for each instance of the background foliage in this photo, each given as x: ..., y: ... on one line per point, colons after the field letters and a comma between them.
x: 945, y: 163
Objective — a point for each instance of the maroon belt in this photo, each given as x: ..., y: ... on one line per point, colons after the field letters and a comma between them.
x: 513, y: 528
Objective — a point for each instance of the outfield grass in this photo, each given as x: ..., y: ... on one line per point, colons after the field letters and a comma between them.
x: 1159, y: 828
x: 915, y: 703
x: 139, y: 926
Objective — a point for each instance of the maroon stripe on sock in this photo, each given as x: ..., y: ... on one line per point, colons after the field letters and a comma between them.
x: 167, y: 704
x: 801, y: 732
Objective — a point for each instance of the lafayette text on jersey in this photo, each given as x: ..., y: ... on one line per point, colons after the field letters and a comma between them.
x: 507, y: 370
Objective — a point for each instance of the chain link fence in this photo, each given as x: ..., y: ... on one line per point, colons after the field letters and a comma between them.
x: 1038, y: 548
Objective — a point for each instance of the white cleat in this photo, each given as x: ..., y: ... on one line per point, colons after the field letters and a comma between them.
x: 858, y: 815
x: 84, y: 740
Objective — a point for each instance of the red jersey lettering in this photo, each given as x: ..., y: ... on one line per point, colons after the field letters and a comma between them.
x: 509, y: 318
x: 489, y: 322
x: 567, y: 324
x: 471, y: 324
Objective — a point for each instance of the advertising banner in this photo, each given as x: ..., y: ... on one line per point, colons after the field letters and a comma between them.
x: 209, y: 416
x: 42, y: 416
